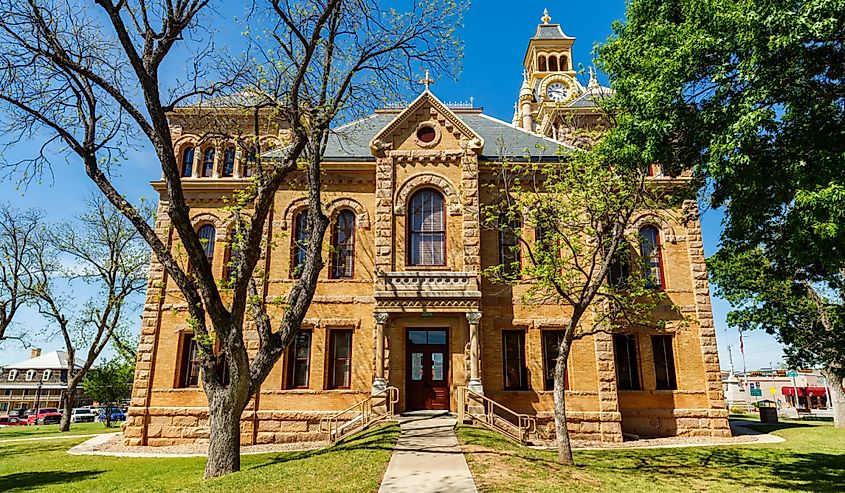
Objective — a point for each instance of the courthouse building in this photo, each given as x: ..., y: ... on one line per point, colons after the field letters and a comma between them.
x: 403, y: 301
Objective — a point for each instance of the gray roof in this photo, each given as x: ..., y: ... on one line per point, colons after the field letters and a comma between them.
x: 243, y: 99
x: 49, y: 361
x: 550, y: 31
x: 588, y: 99
x: 351, y: 142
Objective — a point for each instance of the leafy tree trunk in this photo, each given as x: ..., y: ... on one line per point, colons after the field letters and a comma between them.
x: 837, y: 397
x: 564, y: 448
x: 70, y: 398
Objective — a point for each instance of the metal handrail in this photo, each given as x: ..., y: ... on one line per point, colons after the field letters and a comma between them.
x: 360, y: 415
x: 525, y: 425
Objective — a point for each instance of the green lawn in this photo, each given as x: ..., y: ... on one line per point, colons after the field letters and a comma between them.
x: 15, y: 432
x: 356, y: 465
x: 812, y: 459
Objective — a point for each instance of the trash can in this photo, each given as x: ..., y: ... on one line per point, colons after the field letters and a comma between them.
x: 768, y: 414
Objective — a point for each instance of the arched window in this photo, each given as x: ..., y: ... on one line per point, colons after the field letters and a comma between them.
x: 208, y: 162
x: 30, y: 374
x: 652, y: 258
x: 46, y: 375
x: 619, y: 269
x: 188, y: 162
x: 427, y: 228
x: 206, y: 234
x: 564, y: 64
x: 13, y: 374
x: 343, y: 246
x: 510, y: 230
x: 229, y: 161
x: 300, y: 241
x: 249, y: 166
x: 541, y: 64
x: 552, y: 64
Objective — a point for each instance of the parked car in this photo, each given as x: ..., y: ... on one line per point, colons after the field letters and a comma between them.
x: 9, y: 421
x: 45, y: 416
x: 116, y: 414
x: 14, y: 413
x: 82, y: 415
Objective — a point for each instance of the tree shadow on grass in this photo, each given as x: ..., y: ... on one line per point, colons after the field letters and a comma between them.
x: 378, y: 438
x: 28, y: 481
x: 740, y: 467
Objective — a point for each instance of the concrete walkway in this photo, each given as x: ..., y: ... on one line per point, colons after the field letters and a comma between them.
x: 427, y: 457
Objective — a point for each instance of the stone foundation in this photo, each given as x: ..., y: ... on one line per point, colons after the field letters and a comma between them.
x: 176, y: 426
x: 655, y: 423
x: 593, y: 426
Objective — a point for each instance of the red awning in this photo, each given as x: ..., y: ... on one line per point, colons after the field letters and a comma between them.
x: 805, y: 391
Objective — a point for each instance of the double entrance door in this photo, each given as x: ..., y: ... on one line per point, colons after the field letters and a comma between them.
x: 427, y: 381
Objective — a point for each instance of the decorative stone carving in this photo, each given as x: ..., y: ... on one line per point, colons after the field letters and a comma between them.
x: 362, y: 217
x: 417, y: 181
x: 473, y: 317
x: 428, y: 284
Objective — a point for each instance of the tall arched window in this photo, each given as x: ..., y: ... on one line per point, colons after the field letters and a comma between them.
x: 229, y: 161
x: 552, y: 64
x: 564, y: 64
x: 206, y: 234
x: 208, y: 162
x: 300, y: 241
x: 510, y: 230
x: 427, y: 228
x: 541, y: 64
x: 188, y: 162
x: 652, y: 258
x: 343, y: 246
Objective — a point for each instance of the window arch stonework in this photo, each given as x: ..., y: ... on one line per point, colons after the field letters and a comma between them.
x: 666, y: 229
x: 441, y: 183
x: 362, y: 217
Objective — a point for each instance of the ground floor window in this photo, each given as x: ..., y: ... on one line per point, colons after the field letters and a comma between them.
x: 340, y: 359
x: 627, y: 362
x: 513, y: 351
x: 189, y: 368
x: 299, y: 361
x: 664, y: 362
x: 551, y: 344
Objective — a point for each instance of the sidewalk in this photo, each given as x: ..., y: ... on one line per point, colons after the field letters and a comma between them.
x: 427, y: 457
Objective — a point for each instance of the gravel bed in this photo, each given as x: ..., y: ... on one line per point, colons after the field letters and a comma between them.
x: 115, y: 445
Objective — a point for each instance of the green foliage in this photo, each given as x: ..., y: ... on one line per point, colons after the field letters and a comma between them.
x: 110, y: 382
x: 749, y: 97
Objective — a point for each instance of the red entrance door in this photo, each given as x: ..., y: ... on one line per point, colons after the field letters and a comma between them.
x: 427, y: 384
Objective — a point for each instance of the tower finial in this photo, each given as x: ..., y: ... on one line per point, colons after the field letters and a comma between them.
x: 594, y: 81
x: 546, y: 18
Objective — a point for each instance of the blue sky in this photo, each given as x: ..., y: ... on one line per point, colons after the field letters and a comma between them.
x: 496, y: 34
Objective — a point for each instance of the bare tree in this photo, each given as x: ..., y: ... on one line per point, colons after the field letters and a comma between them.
x: 332, y: 54
x: 18, y: 231
x: 103, y: 250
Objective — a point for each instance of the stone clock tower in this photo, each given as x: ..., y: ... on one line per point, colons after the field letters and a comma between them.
x: 551, y: 97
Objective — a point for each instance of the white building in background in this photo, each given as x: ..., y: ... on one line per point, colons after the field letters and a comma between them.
x: 38, y: 381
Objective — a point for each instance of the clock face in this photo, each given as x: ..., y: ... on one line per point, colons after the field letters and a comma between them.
x: 557, y: 91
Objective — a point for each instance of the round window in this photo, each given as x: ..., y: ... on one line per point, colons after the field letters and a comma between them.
x: 426, y: 134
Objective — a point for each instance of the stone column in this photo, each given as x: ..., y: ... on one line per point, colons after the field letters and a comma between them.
x: 379, y: 382
x: 474, y: 353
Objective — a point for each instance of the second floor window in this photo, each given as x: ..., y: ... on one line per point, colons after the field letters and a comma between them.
x: 208, y: 162
x: 427, y: 229
x: 188, y: 162
x: 206, y: 235
x: 652, y: 258
x: 300, y: 242
x: 509, y: 255
x: 229, y: 162
x: 343, y: 246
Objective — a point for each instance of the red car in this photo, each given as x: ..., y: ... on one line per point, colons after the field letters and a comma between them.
x: 10, y: 421
x: 45, y: 416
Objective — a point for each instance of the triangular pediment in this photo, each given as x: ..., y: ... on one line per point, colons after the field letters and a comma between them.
x: 426, y: 124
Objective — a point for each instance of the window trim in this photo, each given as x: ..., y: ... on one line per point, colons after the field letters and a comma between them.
x: 409, y: 241
x: 291, y: 361
x: 295, y: 246
x: 226, y: 154
x: 186, y: 361
x: 523, y: 376
x: 333, y: 359
x: 333, y: 272
x: 671, y: 370
x: 545, y: 360
x: 211, y: 241
x: 190, y: 171
x: 658, y: 247
x: 635, y: 364
x: 30, y: 375
x: 46, y: 374
x: 13, y: 375
x: 209, y: 152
